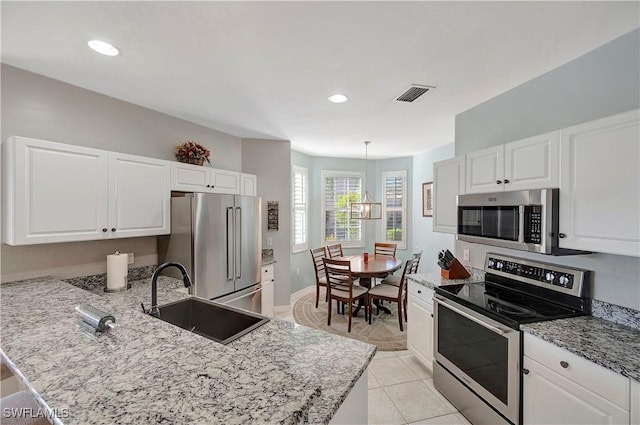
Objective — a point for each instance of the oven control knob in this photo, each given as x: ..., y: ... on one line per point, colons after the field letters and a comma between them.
x: 499, y: 265
x: 549, y: 277
x: 564, y: 280
x: 491, y: 264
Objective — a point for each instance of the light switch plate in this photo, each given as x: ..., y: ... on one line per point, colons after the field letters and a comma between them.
x: 269, y: 241
x: 465, y: 254
x: 130, y: 259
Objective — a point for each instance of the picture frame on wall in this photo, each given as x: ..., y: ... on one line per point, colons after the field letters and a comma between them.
x: 427, y: 199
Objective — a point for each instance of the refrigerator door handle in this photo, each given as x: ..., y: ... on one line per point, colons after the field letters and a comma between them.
x: 230, y: 244
x: 238, y: 242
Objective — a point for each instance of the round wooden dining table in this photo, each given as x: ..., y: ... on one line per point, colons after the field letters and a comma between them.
x: 378, y: 266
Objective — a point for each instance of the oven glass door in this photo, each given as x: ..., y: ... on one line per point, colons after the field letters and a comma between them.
x: 480, y: 352
x: 490, y: 222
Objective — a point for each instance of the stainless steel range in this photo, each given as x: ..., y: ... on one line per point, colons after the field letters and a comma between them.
x: 478, y: 342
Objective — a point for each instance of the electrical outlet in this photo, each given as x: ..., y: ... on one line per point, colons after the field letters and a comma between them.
x: 130, y: 259
x: 465, y: 254
x: 269, y: 241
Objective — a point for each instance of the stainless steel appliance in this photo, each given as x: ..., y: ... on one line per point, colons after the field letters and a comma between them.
x: 218, y: 240
x: 478, y: 341
x: 526, y: 220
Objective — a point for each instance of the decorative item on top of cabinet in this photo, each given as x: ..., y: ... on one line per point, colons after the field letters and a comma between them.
x: 272, y: 215
x: 560, y: 387
x: 448, y: 183
x: 600, y: 185
x: 192, y: 153
x: 98, y: 194
x: 525, y: 164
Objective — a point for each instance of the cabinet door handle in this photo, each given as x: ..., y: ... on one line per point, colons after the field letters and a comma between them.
x: 561, y: 235
x: 419, y: 291
x: 208, y: 185
x: 506, y: 181
x: 525, y: 371
x: 564, y: 364
x: 431, y: 315
x: 104, y: 229
x: 113, y: 229
x: 498, y: 181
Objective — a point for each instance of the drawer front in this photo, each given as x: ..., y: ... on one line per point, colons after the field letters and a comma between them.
x: 420, y: 292
x: 602, y: 381
x: 267, y: 272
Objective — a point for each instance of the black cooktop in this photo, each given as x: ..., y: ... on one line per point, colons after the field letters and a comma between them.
x: 506, y: 305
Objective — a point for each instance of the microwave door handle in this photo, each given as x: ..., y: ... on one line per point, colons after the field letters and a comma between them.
x: 470, y: 317
x: 521, y: 224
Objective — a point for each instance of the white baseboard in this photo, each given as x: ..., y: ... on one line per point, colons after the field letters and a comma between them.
x: 284, y: 309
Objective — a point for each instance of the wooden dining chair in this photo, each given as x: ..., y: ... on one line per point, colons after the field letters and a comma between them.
x: 317, y: 255
x: 393, y: 293
x: 335, y: 250
x: 384, y: 248
x: 396, y: 280
x: 340, y: 287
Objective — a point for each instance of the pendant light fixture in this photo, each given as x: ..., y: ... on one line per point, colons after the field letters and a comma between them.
x: 368, y: 208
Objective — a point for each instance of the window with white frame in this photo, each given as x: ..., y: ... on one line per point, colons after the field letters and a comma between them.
x: 394, y: 208
x: 339, y: 190
x: 300, y: 215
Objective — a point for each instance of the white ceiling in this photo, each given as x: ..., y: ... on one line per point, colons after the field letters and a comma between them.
x: 265, y: 69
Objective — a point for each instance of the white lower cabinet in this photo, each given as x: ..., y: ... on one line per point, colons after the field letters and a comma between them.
x: 420, y: 323
x: 560, y: 387
x: 268, y: 290
x: 54, y: 192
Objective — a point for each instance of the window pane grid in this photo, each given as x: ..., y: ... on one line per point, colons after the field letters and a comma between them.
x: 299, y: 201
x: 394, y: 189
x: 339, y: 192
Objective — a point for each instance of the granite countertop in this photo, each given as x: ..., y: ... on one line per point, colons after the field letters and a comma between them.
x: 431, y: 280
x: 149, y: 371
x: 604, y: 342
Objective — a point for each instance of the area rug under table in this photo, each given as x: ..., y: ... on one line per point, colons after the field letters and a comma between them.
x: 384, y: 331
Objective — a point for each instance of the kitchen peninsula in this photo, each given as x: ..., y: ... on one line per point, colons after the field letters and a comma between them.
x: 149, y: 371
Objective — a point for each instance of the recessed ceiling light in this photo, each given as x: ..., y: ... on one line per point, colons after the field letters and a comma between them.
x: 338, y: 98
x: 103, y: 47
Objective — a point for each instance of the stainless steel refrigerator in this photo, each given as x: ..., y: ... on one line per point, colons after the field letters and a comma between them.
x: 218, y: 239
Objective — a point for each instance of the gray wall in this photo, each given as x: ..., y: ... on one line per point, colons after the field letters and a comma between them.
x: 40, y: 107
x: 424, y: 238
x: 603, y: 82
x: 271, y: 161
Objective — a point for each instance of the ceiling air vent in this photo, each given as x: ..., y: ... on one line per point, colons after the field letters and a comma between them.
x: 414, y: 92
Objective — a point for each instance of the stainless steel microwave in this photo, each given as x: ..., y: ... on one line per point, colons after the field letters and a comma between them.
x: 526, y: 220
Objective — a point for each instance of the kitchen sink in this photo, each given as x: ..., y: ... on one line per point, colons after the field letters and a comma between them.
x: 211, y: 320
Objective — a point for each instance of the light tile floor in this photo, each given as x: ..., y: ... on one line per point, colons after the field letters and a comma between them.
x: 401, y: 391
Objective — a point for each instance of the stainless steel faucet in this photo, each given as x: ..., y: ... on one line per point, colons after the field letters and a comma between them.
x: 155, y: 311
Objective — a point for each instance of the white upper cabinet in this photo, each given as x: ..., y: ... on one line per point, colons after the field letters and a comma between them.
x: 225, y: 181
x: 600, y: 185
x: 448, y: 183
x: 532, y: 163
x: 139, y: 196
x: 525, y: 164
x: 190, y: 178
x: 485, y: 169
x: 248, y: 184
x: 55, y: 192
x: 197, y: 178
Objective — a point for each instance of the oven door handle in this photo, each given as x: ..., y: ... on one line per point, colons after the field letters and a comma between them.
x: 470, y: 317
